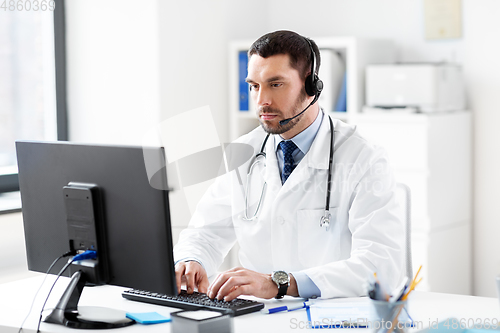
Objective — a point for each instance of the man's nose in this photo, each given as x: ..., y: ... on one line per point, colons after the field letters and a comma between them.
x: 263, y: 97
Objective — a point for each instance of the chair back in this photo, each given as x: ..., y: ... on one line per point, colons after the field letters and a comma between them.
x: 403, y: 196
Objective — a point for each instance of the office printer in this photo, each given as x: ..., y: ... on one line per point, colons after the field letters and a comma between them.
x: 426, y: 87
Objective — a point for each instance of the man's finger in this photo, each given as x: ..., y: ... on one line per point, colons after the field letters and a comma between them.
x: 241, y: 290
x: 190, y: 274
x: 230, y: 284
x: 218, y: 282
x: 202, y: 282
x: 179, y: 273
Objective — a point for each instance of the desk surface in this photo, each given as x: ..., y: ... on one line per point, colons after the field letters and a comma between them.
x: 16, y: 298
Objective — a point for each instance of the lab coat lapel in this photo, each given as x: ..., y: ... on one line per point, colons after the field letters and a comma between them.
x: 272, y: 172
x: 319, y: 153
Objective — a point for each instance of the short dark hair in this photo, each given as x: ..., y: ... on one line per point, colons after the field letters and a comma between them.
x: 291, y: 43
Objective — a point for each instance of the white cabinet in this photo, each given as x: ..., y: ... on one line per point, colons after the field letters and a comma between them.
x: 431, y: 153
x: 355, y: 53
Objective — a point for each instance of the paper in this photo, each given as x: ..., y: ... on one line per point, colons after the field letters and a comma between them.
x: 199, y: 314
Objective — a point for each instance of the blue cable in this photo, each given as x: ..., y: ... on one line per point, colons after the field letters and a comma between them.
x: 85, y: 255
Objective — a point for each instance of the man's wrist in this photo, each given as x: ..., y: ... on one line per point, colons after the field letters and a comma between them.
x: 274, y: 287
x: 292, y: 288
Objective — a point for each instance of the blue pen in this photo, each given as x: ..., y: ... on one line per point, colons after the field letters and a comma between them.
x: 286, y: 308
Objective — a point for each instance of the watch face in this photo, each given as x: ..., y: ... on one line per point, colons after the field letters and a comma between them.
x: 280, y: 277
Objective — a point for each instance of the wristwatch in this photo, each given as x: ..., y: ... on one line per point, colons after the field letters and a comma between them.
x: 282, y: 280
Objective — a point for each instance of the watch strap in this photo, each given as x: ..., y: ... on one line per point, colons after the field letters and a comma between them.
x: 282, y: 289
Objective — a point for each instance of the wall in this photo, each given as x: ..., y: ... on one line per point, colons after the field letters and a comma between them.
x: 397, y: 20
x: 13, y: 264
x: 112, y: 68
x: 481, y: 61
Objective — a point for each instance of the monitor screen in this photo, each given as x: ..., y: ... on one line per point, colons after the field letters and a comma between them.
x: 135, y: 215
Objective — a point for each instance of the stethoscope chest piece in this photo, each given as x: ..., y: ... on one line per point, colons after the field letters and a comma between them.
x: 325, y: 220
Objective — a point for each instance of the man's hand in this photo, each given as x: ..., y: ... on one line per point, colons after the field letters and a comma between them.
x: 193, y: 275
x: 241, y: 281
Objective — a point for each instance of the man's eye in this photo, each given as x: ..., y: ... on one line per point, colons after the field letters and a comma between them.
x: 276, y: 85
x: 254, y: 87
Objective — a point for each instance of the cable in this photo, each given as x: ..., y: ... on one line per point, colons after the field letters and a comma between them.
x: 67, y: 254
x: 46, y: 299
x: 82, y: 256
x: 85, y: 255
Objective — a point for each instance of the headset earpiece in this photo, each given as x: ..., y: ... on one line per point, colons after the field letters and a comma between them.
x: 313, y: 84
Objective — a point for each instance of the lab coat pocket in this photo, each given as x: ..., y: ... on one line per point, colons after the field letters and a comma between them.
x: 316, y: 245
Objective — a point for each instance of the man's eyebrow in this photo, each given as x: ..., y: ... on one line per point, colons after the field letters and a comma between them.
x: 271, y: 79
x: 276, y: 78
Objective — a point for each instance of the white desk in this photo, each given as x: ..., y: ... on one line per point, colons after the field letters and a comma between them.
x: 16, y: 298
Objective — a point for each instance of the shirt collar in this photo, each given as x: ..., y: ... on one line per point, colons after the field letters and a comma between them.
x: 304, y: 139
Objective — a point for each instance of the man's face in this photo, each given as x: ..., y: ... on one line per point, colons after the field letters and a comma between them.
x: 277, y: 90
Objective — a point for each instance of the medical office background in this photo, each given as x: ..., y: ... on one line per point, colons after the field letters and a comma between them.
x: 132, y: 64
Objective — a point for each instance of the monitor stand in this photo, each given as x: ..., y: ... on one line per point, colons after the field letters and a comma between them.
x: 67, y: 313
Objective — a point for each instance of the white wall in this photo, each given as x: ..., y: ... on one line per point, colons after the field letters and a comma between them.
x: 398, y: 20
x: 481, y: 61
x: 13, y: 264
x: 112, y: 67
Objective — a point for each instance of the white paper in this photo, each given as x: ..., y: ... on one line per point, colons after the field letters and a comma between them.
x: 199, y: 315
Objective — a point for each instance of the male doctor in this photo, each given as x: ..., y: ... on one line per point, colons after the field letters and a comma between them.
x: 286, y: 248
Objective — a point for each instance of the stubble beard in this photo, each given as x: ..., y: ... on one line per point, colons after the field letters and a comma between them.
x: 280, y: 129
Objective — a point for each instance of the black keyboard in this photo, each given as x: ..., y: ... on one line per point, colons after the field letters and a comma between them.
x: 195, y: 301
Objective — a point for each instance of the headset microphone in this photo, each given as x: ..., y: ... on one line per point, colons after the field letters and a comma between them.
x: 286, y: 121
x: 313, y: 85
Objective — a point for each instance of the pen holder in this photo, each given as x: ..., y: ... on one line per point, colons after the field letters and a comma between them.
x: 386, y: 315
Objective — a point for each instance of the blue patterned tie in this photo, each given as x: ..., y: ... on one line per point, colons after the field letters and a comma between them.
x: 287, y: 147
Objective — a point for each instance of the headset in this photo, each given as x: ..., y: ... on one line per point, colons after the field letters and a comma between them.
x: 313, y: 85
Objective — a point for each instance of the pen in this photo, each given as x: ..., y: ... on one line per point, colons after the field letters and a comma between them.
x: 286, y: 308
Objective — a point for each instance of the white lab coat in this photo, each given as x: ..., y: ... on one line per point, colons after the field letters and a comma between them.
x: 366, y: 233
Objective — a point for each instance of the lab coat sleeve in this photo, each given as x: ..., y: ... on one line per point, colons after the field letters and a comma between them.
x: 210, y: 233
x: 377, y: 232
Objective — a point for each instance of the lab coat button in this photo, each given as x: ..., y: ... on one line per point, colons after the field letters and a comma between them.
x: 280, y: 220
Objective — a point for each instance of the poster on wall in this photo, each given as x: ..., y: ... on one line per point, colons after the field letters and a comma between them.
x: 443, y: 19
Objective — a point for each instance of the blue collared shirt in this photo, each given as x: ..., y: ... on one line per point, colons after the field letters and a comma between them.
x: 303, y: 141
x: 306, y: 287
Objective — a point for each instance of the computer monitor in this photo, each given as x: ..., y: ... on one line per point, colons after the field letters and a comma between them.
x: 132, y: 217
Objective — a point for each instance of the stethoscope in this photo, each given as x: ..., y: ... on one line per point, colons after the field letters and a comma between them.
x: 261, y: 157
